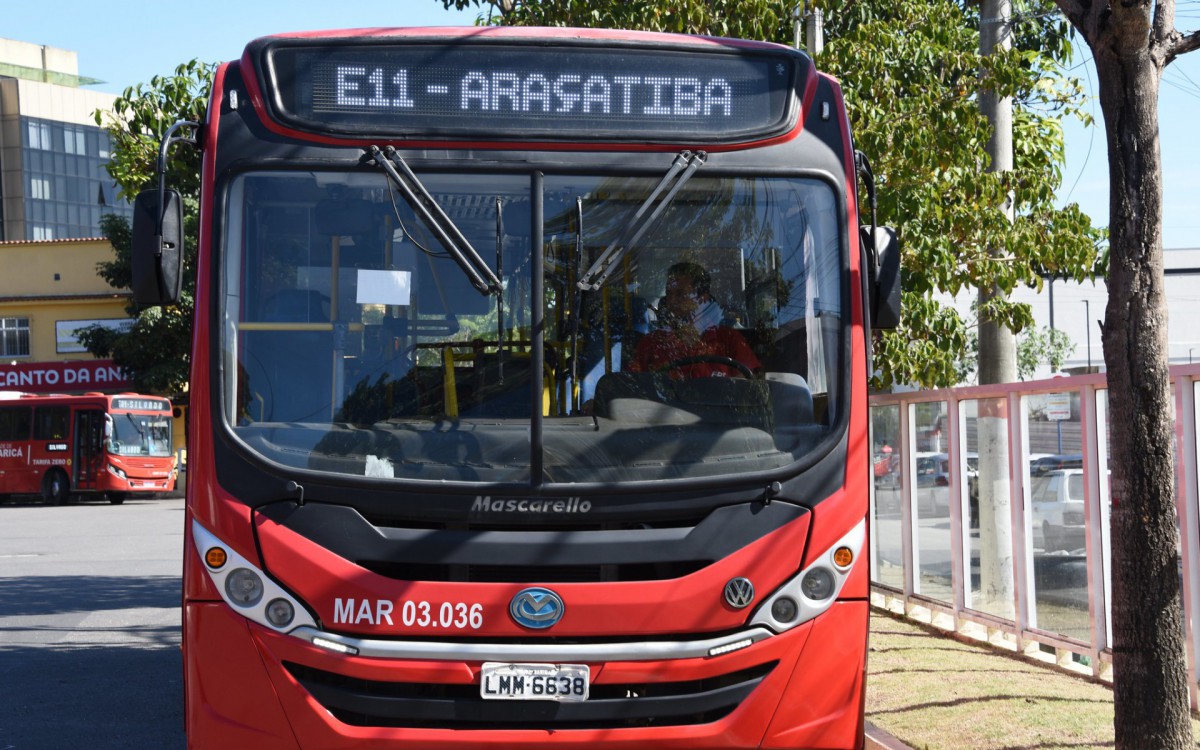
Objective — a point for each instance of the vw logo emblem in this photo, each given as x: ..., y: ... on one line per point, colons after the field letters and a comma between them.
x: 536, y: 608
x: 739, y: 592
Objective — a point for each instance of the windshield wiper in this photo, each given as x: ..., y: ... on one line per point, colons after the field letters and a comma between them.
x: 141, y: 433
x: 422, y: 202
x: 685, y: 165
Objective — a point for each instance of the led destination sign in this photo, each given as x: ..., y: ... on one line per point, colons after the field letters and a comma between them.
x: 140, y: 404
x: 530, y: 92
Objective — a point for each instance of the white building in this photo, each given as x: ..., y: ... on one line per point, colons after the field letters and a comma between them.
x: 1076, y: 309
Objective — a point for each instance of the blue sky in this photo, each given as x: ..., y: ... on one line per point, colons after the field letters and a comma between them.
x: 127, y: 43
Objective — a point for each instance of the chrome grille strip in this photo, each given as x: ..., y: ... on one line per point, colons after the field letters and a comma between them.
x: 550, y: 652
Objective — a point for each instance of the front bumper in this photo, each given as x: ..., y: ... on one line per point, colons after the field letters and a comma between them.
x: 247, y: 683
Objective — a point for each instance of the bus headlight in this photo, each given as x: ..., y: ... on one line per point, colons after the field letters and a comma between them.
x: 245, y: 587
x: 280, y: 612
x: 785, y: 609
x: 115, y: 471
x: 813, y: 590
x: 817, y: 584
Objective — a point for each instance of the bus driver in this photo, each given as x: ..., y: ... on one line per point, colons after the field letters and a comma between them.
x: 691, y: 330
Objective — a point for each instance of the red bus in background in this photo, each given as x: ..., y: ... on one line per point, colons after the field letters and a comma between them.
x: 529, y: 394
x: 104, y: 445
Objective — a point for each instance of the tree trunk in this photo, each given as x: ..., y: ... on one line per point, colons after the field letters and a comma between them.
x: 1150, y: 681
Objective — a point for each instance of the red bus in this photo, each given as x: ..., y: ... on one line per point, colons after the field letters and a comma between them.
x: 96, y: 444
x: 529, y: 393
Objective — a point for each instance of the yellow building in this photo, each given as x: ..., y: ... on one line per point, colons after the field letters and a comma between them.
x: 48, y: 290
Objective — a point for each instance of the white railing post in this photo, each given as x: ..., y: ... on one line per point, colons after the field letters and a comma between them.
x: 908, y: 554
x: 1095, y: 493
x: 1189, y: 524
x: 1022, y: 550
x: 959, y: 575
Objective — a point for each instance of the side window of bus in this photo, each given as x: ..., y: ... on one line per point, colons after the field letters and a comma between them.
x: 14, y: 423
x: 51, y: 423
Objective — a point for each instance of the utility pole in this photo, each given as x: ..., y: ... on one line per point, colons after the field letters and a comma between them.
x: 997, y: 352
x: 997, y: 344
x: 815, y: 22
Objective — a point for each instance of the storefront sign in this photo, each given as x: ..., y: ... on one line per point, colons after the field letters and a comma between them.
x: 51, y: 377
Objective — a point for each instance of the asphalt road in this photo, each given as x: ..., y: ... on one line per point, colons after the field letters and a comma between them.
x: 89, y: 625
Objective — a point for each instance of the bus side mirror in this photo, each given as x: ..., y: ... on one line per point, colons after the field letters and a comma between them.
x: 157, y: 248
x: 885, y: 287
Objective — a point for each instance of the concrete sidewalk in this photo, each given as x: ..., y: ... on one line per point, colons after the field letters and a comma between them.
x: 927, y: 689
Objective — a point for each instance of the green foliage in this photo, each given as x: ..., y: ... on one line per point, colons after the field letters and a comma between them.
x: 140, y: 117
x: 154, y: 353
x: 748, y: 19
x: 1048, y: 346
x: 1035, y: 347
x: 118, y: 272
x: 910, y: 72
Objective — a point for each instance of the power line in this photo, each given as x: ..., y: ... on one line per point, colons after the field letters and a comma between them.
x: 1091, y: 131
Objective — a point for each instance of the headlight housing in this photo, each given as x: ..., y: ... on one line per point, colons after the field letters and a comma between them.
x: 246, y: 589
x: 813, y: 590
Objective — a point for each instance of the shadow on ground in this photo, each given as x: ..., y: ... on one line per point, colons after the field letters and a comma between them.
x: 50, y: 595
x: 94, y: 697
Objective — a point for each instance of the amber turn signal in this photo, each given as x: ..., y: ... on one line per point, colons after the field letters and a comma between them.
x: 215, y: 557
x: 842, y: 557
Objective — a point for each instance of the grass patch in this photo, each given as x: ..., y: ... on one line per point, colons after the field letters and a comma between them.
x: 934, y: 692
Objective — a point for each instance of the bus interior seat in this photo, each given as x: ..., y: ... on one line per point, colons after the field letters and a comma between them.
x: 485, y: 394
x: 656, y: 399
x: 791, y: 399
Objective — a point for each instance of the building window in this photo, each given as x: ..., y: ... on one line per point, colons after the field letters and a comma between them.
x: 39, y: 188
x: 39, y: 136
x: 14, y: 337
x: 67, y: 183
x: 74, y: 141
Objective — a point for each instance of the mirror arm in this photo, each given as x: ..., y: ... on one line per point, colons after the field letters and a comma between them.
x: 863, y: 165
x: 161, y: 167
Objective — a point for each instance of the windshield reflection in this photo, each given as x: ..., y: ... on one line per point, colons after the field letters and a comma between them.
x: 355, y: 343
x: 139, y: 434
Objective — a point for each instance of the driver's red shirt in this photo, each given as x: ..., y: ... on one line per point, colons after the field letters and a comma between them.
x: 661, y: 347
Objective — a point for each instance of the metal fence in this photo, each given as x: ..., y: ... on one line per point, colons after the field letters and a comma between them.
x: 990, y: 512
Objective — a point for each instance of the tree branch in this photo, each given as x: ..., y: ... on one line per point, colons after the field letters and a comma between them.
x: 1162, y: 29
x: 1182, y: 45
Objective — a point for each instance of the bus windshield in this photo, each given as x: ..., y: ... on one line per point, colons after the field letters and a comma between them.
x: 139, y: 434
x: 653, y: 335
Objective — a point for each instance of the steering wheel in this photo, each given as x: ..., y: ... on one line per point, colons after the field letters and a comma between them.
x: 715, y: 359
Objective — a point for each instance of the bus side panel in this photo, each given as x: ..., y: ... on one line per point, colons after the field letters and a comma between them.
x: 12, y: 468
x: 230, y: 700
x: 197, y: 584
x: 228, y: 519
x: 823, y: 704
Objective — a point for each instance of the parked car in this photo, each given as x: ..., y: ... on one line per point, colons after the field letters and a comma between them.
x: 1056, y: 498
x: 1042, y: 465
x: 933, y: 483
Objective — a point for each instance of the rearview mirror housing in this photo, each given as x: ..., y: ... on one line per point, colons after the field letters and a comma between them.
x: 156, y: 253
x: 885, y: 287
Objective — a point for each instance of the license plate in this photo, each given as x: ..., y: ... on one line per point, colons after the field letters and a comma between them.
x: 534, y: 682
